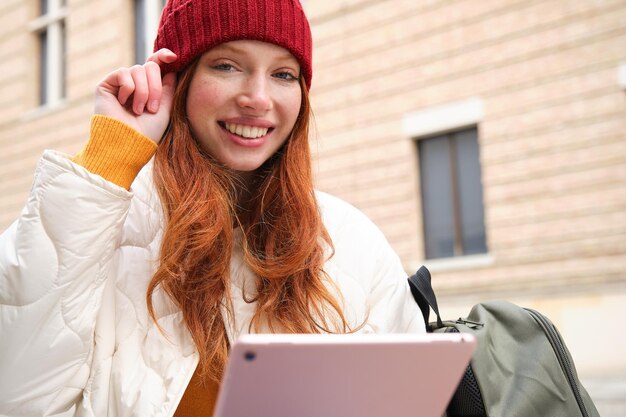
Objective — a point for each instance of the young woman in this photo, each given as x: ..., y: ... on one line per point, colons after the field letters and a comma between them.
x: 135, y: 266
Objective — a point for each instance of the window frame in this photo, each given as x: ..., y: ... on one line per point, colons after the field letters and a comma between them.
x: 438, y: 120
x: 451, y: 141
x: 49, y: 27
x: 146, y: 16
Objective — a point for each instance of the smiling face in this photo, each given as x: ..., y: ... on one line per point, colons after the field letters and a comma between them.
x: 243, y: 101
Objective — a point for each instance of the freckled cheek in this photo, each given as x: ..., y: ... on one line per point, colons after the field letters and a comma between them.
x: 290, y: 106
x: 205, y: 96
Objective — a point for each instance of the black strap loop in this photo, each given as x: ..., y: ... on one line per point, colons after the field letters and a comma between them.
x: 423, y: 293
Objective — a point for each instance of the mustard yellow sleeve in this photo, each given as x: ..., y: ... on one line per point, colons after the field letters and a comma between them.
x: 115, y: 151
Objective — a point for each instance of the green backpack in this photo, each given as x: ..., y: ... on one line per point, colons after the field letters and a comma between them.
x: 521, y: 366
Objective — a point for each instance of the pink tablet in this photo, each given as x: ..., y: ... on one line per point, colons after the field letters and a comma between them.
x: 374, y: 375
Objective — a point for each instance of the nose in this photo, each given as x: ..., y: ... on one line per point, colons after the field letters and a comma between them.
x: 255, y: 93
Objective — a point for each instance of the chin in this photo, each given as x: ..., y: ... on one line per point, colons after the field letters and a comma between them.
x: 244, y: 167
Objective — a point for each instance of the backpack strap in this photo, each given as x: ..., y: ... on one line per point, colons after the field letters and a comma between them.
x: 423, y: 293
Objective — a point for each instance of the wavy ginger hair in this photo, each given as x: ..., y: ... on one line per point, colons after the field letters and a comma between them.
x: 284, y: 237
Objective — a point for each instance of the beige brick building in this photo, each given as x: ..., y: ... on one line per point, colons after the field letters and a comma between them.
x: 539, y: 81
x: 514, y: 111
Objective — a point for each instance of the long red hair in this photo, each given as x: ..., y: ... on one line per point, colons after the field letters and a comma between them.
x: 284, y: 242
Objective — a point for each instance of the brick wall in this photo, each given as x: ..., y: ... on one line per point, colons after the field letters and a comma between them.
x: 552, y: 140
x: 552, y: 149
x: 98, y: 41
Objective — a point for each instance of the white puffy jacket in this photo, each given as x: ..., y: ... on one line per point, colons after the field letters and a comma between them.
x: 75, y: 335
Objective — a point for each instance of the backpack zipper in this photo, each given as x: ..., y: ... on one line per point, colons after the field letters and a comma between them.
x: 559, y: 348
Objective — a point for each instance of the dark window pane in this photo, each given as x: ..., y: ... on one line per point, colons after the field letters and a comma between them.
x: 43, y: 6
x: 43, y: 69
x: 436, y: 197
x: 452, y: 197
x: 470, y: 192
x: 140, y: 31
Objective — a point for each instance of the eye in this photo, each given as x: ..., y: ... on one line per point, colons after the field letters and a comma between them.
x: 224, y: 67
x: 285, y: 75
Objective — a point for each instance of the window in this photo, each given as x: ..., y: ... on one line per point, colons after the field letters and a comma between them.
x: 50, y: 29
x: 452, y: 198
x: 147, y: 14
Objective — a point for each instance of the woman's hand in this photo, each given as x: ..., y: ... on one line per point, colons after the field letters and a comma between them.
x: 138, y: 97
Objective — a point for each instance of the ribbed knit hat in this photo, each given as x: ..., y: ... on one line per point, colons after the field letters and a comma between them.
x: 191, y: 27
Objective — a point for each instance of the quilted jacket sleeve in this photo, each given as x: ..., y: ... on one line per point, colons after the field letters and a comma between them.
x: 393, y: 309
x: 53, y: 264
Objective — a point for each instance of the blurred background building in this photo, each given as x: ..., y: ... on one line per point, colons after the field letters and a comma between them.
x: 486, y: 139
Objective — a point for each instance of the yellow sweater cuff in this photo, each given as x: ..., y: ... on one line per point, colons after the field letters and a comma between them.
x: 115, y: 151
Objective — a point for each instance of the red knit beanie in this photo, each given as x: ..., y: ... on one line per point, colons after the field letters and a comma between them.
x: 191, y: 27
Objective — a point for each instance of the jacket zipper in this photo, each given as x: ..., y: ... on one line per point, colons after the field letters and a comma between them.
x: 559, y: 348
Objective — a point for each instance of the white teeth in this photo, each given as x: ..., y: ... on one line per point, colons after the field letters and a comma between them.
x: 249, y: 132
